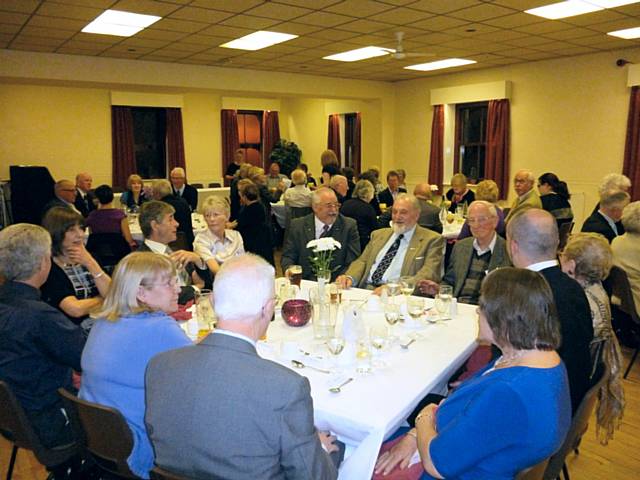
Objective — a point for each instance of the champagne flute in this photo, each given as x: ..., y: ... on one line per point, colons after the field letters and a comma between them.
x: 407, y: 286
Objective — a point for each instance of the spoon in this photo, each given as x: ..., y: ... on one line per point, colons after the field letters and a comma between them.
x: 338, y: 389
x: 406, y: 345
x: 298, y: 364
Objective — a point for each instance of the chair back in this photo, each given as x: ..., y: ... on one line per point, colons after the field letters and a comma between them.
x: 564, y: 230
x: 295, y: 212
x: 108, y: 248
x: 214, y: 185
x: 180, y: 243
x: 197, y: 185
x: 161, y: 474
x: 617, y: 284
x: 533, y: 473
x: 103, y: 431
x: 15, y: 427
x: 579, y: 424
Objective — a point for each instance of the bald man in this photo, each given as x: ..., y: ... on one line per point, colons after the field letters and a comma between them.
x: 429, y: 213
x: 64, y: 195
x: 85, y: 198
x: 523, y: 182
x: 182, y: 189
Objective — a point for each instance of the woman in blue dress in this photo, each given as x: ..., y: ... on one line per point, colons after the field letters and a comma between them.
x: 511, y: 415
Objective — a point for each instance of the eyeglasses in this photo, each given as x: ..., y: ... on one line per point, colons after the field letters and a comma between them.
x: 474, y: 221
x: 331, y: 205
x: 168, y: 284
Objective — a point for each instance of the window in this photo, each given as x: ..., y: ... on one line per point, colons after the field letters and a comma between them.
x: 250, y: 135
x: 471, y: 139
x: 349, y: 139
x: 149, y: 133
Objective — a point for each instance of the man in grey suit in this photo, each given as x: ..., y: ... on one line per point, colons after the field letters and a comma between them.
x: 429, y: 213
x: 406, y: 249
x: 217, y: 410
x: 325, y: 221
x: 473, y: 257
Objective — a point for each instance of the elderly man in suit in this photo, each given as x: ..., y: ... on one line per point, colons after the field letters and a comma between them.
x: 85, y: 197
x: 528, y: 197
x: 473, y: 257
x: 248, y: 417
x: 325, y: 221
x: 406, y: 249
x: 429, y: 213
x: 532, y: 242
x: 182, y: 189
x: 389, y: 194
x: 65, y: 195
x: 606, y: 220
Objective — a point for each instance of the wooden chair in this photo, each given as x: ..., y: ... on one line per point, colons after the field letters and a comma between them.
x: 103, y: 433
x: 617, y: 284
x: 197, y: 185
x: 564, y: 230
x: 215, y: 185
x: 533, y: 473
x: 161, y: 474
x: 579, y: 425
x: 15, y: 427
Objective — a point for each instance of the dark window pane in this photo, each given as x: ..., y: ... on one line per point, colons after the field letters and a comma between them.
x: 149, y: 132
x: 250, y: 135
x: 471, y: 139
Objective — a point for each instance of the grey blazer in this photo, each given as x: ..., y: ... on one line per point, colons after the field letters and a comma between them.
x: 429, y: 216
x: 460, y: 261
x: 217, y: 410
x: 302, y: 230
x: 423, y: 259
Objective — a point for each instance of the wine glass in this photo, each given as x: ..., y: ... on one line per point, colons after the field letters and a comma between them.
x: 392, y: 316
x: 415, y: 307
x: 443, y: 301
x: 363, y: 356
x: 379, y: 339
x: 407, y: 286
x: 335, y: 345
x: 393, y: 287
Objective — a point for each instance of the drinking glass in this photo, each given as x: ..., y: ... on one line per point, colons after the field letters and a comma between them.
x: 415, y: 307
x: 363, y: 356
x: 294, y: 273
x: 443, y: 301
x: 335, y: 345
x: 335, y: 293
x: 393, y: 287
x: 407, y: 286
x: 392, y: 316
x: 204, y: 312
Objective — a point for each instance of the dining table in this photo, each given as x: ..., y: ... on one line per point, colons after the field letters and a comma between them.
x: 368, y: 409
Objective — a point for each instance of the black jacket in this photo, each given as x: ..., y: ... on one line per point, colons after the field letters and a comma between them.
x: 596, y: 223
x: 190, y: 194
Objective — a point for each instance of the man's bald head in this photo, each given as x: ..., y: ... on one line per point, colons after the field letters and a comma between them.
x: 422, y: 191
x: 535, y: 233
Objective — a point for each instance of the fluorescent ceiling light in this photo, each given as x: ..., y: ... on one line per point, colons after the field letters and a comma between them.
x: 122, y: 24
x: 258, y: 40
x: 611, y: 3
x: 627, y: 33
x: 360, y: 54
x: 566, y: 9
x: 448, y: 63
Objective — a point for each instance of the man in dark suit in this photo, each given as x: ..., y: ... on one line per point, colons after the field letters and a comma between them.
x: 606, y: 221
x: 162, y: 191
x: 340, y: 186
x: 85, y: 198
x: 473, y: 257
x: 65, y: 195
x: 532, y: 241
x: 247, y: 417
x: 389, y: 194
x: 429, y: 213
x: 406, y: 249
x: 182, y: 189
x: 325, y: 221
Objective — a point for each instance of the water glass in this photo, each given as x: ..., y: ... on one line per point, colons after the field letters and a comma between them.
x: 393, y: 287
x: 407, y: 286
x: 443, y: 301
x: 204, y: 312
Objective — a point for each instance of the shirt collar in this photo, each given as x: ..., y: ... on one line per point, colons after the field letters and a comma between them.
x: 408, y: 235
x: 490, y: 248
x: 319, y: 225
x: 229, y: 333
x: 536, y: 267
x: 610, y: 221
x: 525, y: 195
x: 156, y: 247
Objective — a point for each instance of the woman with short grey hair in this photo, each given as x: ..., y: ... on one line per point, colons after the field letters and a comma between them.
x: 359, y: 208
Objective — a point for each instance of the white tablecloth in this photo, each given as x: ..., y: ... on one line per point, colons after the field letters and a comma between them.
x: 372, y: 407
x: 450, y: 231
x: 197, y: 221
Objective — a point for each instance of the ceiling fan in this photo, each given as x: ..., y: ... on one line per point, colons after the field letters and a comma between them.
x: 399, y: 52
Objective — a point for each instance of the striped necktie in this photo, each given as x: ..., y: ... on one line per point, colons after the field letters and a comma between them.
x: 376, y: 278
x: 325, y: 231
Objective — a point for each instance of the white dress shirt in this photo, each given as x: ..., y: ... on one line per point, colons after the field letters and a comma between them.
x: 395, y: 268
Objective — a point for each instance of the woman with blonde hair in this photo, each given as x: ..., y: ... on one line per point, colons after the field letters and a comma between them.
x: 587, y: 258
x: 132, y: 326
x: 488, y: 191
x: 134, y: 196
x: 218, y: 243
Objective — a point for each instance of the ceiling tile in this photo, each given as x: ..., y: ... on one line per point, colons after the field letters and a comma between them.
x: 333, y: 34
x: 278, y: 11
x: 47, y: 32
x: 79, y: 51
x: 400, y: 16
x: 227, y: 5
x: 324, y: 19
x: 595, y: 17
x: 603, y: 41
x: 515, y: 20
x: 631, y: 10
x: 13, y: 18
x: 28, y: 39
x: 313, y: 4
x: 145, y: 42
x: 57, y: 23
x: 186, y: 47
x: 299, y: 28
x: 443, y: 7
x: 528, y: 41
x: 8, y: 28
x: 616, y: 25
x: 146, y: 7
x: 251, y: 22
x: 160, y: 34
x: 501, y: 35
x: 472, y: 30
x: 53, y: 9
x: 21, y: 6
x: 439, y: 23
x: 31, y: 47
x: 481, y: 12
x: 200, y: 14
x: 522, y: 4
x: 97, y: 39
x: 435, y: 38
x: 543, y: 27
x: 178, y: 25
x: 364, y: 26
x: 359, y: 8
x: 569, y: 34
x: 103, y: 4
x: 575, y: 50
x: 308, y: 42
x: 200, y: 39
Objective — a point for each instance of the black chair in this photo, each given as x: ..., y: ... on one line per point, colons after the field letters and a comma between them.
x: 579, y: 425
x: 617, y: 285
x: 197, y: 185
x: 215, y: 185
x: 295, y: 212
x: 108, y: 249
x: 103, y: 433
x: 161, y: 474
x: 533, y: 473
x: 180, y: 243
x: 15, y: 427
x: 564, y: 230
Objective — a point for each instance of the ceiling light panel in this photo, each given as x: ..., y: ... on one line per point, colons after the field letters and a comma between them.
x: 120, y: 23
x: 611, y: 3
x: 360, y: 54
x: 570, y: 8
x: 258, y: 40
x: 627, y: 33
x: 439, y: 64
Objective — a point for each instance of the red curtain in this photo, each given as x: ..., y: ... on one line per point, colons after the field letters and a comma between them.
x: 270, y: 134
x: 122, y: 146
x: 631, y: 166
x: 357, y: 143
x: 496, y: 163
x: 175, y: 139
x: 230, y: 140
x: 436, y: 156
x: 333, y: 142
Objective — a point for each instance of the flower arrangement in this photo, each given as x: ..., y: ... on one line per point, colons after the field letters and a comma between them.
x: 323, y: 249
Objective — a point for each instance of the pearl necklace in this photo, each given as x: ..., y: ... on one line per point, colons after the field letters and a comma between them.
x: 510, y: 359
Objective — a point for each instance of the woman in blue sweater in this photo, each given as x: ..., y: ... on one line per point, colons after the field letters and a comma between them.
x: 511, y: 415
x: 133, y: 326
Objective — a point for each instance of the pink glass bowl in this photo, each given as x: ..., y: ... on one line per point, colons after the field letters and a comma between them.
x: 296, y: 312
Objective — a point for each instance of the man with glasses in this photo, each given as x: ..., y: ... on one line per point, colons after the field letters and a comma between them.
x: 473, y: 257
x: 325, y: 221
x: 527, y: 195
x: 65, y: 196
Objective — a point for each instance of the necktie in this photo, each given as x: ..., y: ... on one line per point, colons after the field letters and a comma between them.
x: 376, y: 278
x: 325, y: 231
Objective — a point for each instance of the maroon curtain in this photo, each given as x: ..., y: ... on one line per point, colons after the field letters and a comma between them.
x: 357, y: 143
x: 333, y: 142
x: 631, y: 166
x: 436, y: 156
x: 122, y: 146
x: 175, y: 139
x: 270, y: 134
x: 230, y: 140
x: 496, y: 162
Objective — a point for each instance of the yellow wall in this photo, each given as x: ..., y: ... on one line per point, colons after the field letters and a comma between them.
x: 568, y: 116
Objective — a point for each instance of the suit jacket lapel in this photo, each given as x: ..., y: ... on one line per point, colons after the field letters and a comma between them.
x: 415, y: 246
x: 309, y: 230
x: 376, y: 246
